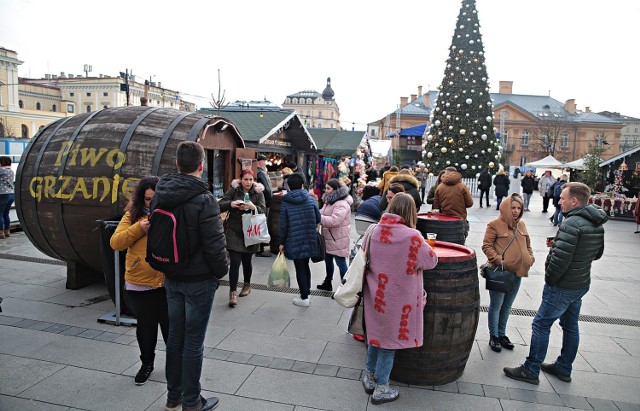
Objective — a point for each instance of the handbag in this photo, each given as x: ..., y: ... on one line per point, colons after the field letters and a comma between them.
x: 322, y: 248
x: 347, y: 293
x: 497, y: 278
x: 254, y: 227
x: 356, y: 322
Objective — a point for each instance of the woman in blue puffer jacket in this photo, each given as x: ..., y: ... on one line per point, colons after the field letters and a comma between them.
x: 299, y: 217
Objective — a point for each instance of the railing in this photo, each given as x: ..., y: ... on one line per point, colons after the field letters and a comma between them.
x: 472, y: 183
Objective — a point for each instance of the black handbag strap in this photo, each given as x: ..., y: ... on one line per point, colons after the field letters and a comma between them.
x: 505, y: 249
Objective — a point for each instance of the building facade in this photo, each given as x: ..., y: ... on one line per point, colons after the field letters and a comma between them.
x: 530, y: 127
x: 27, y: 105
x: 316, y: 110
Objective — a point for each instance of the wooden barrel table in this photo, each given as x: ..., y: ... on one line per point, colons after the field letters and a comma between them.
x: 448, y: 228
x: 450, y: 320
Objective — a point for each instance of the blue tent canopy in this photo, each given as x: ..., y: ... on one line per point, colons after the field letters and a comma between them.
x: 415, y: 131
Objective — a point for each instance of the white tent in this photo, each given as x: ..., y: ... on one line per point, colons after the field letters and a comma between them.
x: 547, y: 162
x: 576, y: 164
x: 380, y: 148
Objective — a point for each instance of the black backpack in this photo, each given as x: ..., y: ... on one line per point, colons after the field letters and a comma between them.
x: 168, y: 241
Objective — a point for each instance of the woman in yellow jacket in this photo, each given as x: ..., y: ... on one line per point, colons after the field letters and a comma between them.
x: 144, y: 286
x: 506, y: 240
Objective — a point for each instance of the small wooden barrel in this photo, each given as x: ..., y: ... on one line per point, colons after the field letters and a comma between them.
x: 448, y: 228
x: 450, y: 320
x: 273, y: 222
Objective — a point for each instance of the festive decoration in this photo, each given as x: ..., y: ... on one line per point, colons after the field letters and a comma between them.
x: 462, y: 113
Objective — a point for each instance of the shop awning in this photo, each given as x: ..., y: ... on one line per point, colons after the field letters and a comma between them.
x: 333, y: 142
x: 415, y: 131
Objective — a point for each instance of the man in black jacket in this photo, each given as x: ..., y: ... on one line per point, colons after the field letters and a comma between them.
x: 579, y: 241
x: 190, y: 292
x: 484, y: 185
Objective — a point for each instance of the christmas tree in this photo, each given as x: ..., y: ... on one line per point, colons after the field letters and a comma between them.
x: 462, y: 129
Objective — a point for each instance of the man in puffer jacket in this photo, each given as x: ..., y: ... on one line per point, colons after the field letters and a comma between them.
x: 452, y: 196
x: 579, y: 241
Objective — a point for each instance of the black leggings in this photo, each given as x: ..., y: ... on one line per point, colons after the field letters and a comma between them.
x: 484, y: 193
x: 234, y: 269
x: 150, y: 309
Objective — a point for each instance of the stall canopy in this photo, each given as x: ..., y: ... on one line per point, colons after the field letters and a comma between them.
x: 415, y: 131
x: 576, y: 164
x: 380, y: 148
x: 548, y: 162
x: 333, y: 142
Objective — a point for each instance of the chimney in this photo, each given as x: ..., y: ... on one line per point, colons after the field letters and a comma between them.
x: 53, y: 76
x: 570, y: 105
x: 47, y: 76
x: 413, y: 97
x: 62, y: 74
x: 427, y: 100
x: 419, y: 90
x: 587, y: 109
x: 159, y: 84
x: 70, y: 75
x: 79, y: 76
x: 403, y: 101
x: 506, y: 87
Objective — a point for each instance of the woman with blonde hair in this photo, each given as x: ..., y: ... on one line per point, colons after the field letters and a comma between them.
x: 506, y: 241
x: 393, y: 293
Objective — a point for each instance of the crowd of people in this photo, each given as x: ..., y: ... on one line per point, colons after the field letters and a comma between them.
x: 180, y: 303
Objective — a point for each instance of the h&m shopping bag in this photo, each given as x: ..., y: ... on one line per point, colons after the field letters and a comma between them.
x: 255, y: 229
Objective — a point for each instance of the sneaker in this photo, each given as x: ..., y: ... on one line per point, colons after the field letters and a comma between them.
x: 494, y: 343
x: 544, y: 211
x: 172, y: 405
x: 384, y: 393
x: 301, y: 302
x: 143, y: 375
x: 521, y: 374
x: 368, y: 382
x: 326, y: 286
x: 204, y: 405
x: 506, y: 343
x: 555, y: 371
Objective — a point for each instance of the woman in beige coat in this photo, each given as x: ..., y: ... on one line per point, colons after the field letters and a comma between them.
x: 518, y: 257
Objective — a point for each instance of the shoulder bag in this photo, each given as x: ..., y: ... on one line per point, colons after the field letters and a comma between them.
x: 498, y: 279
x: 322, y: 248
x: 347, y: 293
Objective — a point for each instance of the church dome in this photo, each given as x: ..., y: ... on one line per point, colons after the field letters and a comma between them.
x: 328, y: 93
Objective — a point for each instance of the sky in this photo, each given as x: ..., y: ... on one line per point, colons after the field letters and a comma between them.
x: 374, y: 51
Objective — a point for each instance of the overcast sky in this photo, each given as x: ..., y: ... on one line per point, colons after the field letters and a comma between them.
x: 374, y: 51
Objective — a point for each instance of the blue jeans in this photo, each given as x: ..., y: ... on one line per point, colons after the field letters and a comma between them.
x: 557, y: 216
x: 499, y: 310
x: 380, y: 363
x: 189, y: 307
x: 527, y: 198
x: 328, y: 262
x: 303, y: 276
x: 6, y: 200
x: 564, y: 304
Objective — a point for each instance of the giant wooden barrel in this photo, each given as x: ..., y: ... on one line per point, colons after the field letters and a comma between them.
x: 83, y: 168
x: 450, y: 320
x: 273, y: 222
x: 449, y: 228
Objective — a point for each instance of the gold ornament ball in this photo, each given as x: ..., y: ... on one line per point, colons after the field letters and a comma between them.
x: 491, y: 164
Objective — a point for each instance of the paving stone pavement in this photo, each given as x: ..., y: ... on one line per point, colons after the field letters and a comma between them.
x: 267, y: 354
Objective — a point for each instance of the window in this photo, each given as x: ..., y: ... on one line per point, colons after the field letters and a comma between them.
x: 545, y: 140
x: 105, y: 94
x: 295, y: 101
x: 38, y: 106
x: 70, y: 108
x: 88, y: 109
x: 54, y: 108
x: 564, y: 141
x: 319, y: 125
x: 88, y: 94
x: 523, y: 160
x: 25, y: 131
x: 599, y: 140
x: 72, y: 94
x: 525, y: 138
x: 319, y: 114
x: 332, y: 115
x: 20, y: 104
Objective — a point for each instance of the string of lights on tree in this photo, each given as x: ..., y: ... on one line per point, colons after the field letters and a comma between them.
x: 462, y: 130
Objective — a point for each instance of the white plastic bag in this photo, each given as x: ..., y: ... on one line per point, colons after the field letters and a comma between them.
x: 254, y: 227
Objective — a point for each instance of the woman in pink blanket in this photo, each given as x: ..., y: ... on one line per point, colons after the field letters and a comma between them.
x: 394, y: 296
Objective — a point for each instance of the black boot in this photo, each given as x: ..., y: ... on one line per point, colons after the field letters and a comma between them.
x: 143, y: 374
x: 326, y: 286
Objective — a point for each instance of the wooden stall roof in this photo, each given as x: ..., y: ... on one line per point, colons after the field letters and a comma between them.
x: 333, y: 142
x: 256, y: 125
